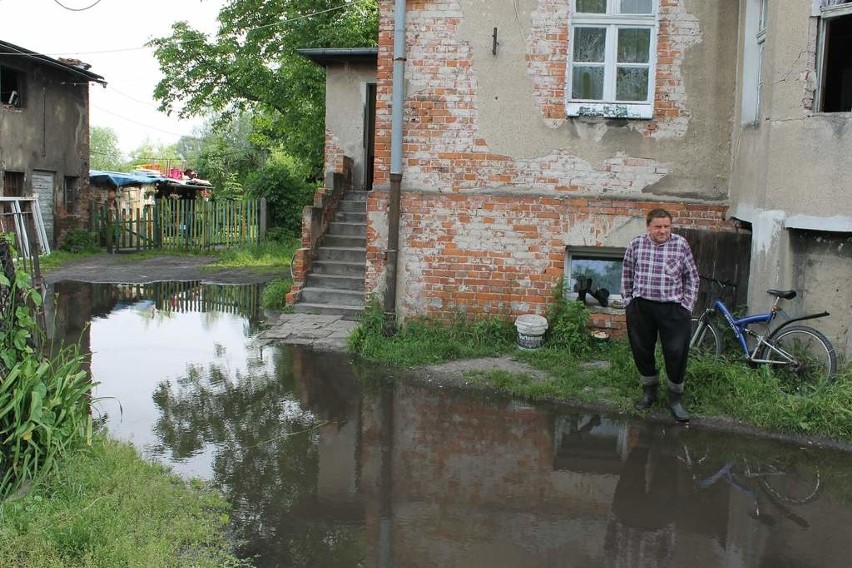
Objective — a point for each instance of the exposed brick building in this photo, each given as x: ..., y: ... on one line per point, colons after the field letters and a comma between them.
x: 535, y: 136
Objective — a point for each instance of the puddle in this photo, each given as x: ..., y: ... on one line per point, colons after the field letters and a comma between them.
x: 329, y: 464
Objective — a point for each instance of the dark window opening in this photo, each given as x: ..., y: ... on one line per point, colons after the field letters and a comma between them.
x: 11, y: 86
x: 837, y: 89
x: 70, y: 194
x: 13, y: 184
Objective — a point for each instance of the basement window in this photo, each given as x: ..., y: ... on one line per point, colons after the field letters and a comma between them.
x: 835, y: 58
x: 11, y: 87
x: 592, y: 269
x: 612, y: 58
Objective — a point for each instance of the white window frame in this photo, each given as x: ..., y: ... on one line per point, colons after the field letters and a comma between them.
x: 752, y: 81
x: 826, y: 14
x: 612, y: 21
x: 597, y: 253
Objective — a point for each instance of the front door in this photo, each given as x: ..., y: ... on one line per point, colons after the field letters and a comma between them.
x: 44, y: 184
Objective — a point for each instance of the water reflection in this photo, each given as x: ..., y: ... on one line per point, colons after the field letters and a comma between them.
x: 328, y: 463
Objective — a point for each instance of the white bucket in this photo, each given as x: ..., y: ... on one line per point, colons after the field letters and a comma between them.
x: 531, y: 330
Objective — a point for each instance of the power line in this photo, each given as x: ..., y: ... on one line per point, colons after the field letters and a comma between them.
x: 92, y: 5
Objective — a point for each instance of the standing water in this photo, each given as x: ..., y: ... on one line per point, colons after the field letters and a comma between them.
x: 331, y: 463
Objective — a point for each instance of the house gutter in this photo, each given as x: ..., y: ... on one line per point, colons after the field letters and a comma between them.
x: 398, y: 95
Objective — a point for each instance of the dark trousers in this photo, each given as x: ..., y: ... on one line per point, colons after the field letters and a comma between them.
x: 672, y: 323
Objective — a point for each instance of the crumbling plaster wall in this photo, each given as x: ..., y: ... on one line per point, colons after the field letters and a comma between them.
x: 790, y: 172
x: 497, y: 181
x: 50, y: 132
x: 345, y: 104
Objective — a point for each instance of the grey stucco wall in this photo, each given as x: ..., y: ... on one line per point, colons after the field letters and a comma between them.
x: 50, y: 132
x: 790, y: 172
x: 346, y: 103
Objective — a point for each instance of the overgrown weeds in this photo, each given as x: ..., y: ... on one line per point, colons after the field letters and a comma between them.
x: 44, y: 389
x: 425, y: 341
x: 107, y: 507
x: 580, y: 371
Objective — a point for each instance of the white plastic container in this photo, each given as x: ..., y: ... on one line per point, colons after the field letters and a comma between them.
x: 530, y: 328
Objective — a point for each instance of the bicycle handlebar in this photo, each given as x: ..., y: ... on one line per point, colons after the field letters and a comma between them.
x: 723, y: 283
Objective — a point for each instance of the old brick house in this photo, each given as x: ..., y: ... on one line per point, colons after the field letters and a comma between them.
x: 44, y: 135
x: 525, y: 141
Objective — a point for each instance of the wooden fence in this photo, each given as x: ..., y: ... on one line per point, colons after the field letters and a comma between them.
x: 187, y: 224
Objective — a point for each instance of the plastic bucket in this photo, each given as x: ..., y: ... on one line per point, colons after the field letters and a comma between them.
x: 530, y: 328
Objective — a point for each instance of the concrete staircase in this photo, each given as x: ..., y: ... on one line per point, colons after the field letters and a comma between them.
x: 335, y: 283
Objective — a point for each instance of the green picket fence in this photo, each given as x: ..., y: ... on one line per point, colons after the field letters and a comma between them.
x: 184, y: 224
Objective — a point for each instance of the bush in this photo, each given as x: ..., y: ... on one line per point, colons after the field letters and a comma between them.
x: 44, y: 397
x: 286, y: 194
x: 568, y: 326
x: 274, y: 295
x: 79, y: 240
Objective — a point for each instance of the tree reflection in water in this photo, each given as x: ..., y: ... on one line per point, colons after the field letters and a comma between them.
x: 265, y: 460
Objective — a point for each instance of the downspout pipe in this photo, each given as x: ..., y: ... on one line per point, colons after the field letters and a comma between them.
x: 397, y: 102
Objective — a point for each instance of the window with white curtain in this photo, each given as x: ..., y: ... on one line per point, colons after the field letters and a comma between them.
x: 612, y: 58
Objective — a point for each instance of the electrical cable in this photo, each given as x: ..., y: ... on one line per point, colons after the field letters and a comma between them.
x: 92, y: 5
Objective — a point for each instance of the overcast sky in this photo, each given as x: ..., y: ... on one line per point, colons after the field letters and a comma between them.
x: 110, y: 35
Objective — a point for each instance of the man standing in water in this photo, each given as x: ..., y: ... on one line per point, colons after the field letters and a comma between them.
x: 659, y: 285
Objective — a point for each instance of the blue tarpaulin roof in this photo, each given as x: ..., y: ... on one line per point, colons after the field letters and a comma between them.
x: 120, y: 179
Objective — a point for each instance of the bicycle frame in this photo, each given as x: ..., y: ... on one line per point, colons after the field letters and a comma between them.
x: 740, y: 328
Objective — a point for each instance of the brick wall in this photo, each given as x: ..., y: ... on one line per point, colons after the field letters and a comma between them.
x: 486, y: 232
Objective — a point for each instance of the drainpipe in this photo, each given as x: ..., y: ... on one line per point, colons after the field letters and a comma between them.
x: 392, y: 252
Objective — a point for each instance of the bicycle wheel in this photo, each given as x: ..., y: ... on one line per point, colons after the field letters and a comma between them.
x: 792, y: 483
x: 802, y: 359
x: 706, y: 338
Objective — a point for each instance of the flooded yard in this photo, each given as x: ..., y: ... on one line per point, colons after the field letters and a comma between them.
x: 329, y: 463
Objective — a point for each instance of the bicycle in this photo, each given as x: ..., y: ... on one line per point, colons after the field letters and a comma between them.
x: 801, y: 357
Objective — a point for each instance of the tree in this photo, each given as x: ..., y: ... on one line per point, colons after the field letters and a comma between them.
x: 104, y: 152
x: 252, y: 65
x: 165, y: 156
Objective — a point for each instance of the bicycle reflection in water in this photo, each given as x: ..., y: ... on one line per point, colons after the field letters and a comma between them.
x: 777, y: 481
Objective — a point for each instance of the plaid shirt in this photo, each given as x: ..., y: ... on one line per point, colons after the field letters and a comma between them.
x: 661, y: 273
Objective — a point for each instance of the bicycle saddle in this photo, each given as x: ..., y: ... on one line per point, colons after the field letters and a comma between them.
x: 785, y: 294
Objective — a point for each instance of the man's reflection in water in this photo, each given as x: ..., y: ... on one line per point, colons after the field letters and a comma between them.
x: 657, y: 503
x: 641, y: 529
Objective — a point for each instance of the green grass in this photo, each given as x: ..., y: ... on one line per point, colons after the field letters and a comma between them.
x: 107, y: 507
x: 578, y: 371
x: 268, y: 254
x: 272, y: 255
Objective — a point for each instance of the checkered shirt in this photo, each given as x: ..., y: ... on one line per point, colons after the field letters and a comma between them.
x: 660, y: 273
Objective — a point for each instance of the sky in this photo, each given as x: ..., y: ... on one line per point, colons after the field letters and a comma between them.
x: 111, y: 35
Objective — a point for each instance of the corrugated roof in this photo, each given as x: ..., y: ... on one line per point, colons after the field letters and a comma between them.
x: 74, y: 69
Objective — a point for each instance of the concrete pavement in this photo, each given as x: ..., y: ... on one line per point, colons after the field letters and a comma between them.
x: 321, y: 332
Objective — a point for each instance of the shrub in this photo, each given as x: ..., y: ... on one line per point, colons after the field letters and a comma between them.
x: 44, y: 397
x: 286, y: 194
x: 274, y: 295
x: 79, y: 240
x: 568, y: 325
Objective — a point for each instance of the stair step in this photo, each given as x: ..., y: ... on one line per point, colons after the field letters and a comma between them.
x: 351, y: 313
x: 345, y: 254
x: 339, y: 268
x: 344, y: 241
x: 359, y: 217
x: 336, y: 281
x: 352, y: 206
x: 347, y: 228
x: 313, y: 295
